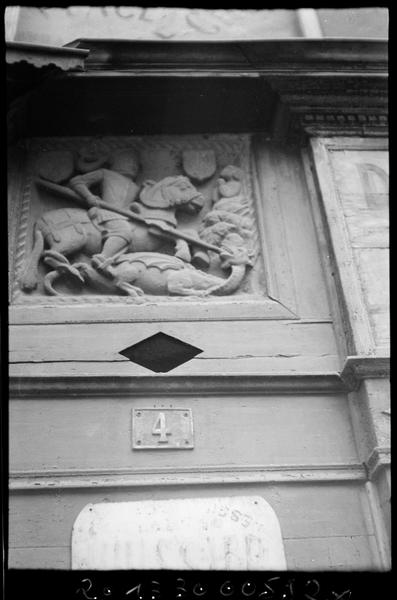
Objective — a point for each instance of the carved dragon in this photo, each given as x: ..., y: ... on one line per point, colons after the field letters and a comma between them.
x: 63, y: 232
x: 142, y: 273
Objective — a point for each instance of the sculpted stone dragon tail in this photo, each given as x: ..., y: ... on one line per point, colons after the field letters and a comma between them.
x: 140, y: 273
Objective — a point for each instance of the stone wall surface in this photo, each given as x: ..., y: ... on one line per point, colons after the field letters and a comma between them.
x: 282, y: 313
x: 356, y: 22
x: 59, y: 26
x: 56, y: 26
x: 298, y: 443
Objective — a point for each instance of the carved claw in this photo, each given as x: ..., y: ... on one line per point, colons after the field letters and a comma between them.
x: 70, y: 270
x: 82, y: 268
x: 131, y: 290
x: 63, y: 268
x: 55, y: 263
x: 51, y: 262
x: 48, y: 280
x: 55, y: 256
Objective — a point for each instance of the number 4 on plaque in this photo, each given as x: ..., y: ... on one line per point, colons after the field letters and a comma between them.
x: 159, y: 428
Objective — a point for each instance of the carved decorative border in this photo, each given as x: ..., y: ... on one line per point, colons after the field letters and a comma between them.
x: 231, y: 149
x: 352, y: 119
x: 23, y: 214
x: 16, y: 159
x: 340, y: 124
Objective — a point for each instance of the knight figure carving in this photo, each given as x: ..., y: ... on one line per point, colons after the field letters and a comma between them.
x: 126, y: 238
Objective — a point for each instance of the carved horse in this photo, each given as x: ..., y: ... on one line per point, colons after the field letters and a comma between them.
x: 67, y: 231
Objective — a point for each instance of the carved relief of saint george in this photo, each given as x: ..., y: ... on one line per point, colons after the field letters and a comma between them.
x: 123, y: 240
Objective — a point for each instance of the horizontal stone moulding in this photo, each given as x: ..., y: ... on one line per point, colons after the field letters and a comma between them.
x: 78, y: 309
x: 205, y: 475
x: 80, y: 386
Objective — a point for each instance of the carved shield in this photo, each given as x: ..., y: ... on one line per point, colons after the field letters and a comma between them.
x: 56, y: 165
x: 199, y: 164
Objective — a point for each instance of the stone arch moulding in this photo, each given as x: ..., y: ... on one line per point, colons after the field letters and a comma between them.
x: 268, y: 291
x: 219, y: 533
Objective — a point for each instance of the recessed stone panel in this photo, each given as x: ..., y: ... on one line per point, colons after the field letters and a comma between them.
x: 362, y: 181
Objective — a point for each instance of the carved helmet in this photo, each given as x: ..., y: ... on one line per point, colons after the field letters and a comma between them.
x: 92, y: 155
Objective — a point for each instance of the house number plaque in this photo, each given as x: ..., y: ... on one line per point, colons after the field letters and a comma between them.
x: 162, y: 429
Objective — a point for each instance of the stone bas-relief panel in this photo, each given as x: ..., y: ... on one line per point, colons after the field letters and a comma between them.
x: 141, y: 218
x: 362, y: 182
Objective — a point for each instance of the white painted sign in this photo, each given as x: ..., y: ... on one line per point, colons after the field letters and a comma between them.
x: 231, y: 533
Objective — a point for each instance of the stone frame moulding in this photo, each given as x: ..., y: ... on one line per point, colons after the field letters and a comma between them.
x: 365, y: 356
x: 276, y: 302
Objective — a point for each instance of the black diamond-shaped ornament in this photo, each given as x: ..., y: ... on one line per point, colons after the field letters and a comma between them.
x: 160, y: 352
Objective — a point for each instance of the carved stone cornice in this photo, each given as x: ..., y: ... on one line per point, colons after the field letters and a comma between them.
x: 349, y: 103
x: 298, y: 126
x: 329, y: 112
x: 284, y: 88
x: 324, y: 87
x: 309, y: 57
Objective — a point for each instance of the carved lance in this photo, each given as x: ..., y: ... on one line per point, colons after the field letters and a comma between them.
x: 153, y: 228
